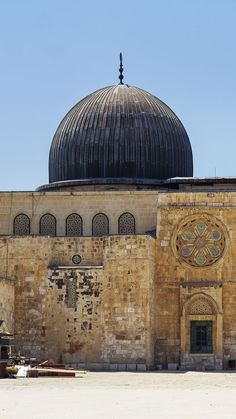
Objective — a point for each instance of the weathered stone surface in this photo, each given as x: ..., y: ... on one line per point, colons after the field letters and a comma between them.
x: 113, y: 203
x: 179, y: 284
x: 131, y: 367
x: 7, y: 300
x: 141, y: 367
x: 132, y: 298
x: 96, y: 312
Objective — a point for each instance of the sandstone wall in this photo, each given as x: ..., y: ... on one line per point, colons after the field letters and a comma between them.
x: 129, y: 299
x: 98, y: 311
x: 177, y: 281
x: 7, y: 293
x: 142, y: 204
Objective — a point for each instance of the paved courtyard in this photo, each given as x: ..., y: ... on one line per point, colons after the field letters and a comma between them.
x: 121, y: 395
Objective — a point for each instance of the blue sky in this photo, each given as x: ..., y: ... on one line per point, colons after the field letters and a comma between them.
x: 55, y: 52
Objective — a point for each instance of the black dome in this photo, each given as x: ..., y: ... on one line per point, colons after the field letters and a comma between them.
x: 120, y: 132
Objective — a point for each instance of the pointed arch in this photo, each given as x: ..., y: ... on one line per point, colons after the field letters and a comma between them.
x: 126, y: 223
x: 21, y: 225
x: 100, y: 225
x: 200, y: 302
x: 47, y: 225
x: 74, y: 225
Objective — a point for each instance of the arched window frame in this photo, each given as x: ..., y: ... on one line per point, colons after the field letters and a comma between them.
x: 81, y: 221
x: 107, y: 219
x: 119, y: 224
x: 40, y: 225
x: 14, y: 224
x: 185, y: 325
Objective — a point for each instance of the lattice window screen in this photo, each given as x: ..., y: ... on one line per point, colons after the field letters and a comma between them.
x: 21, y: 225
x: 100, y: 225
x: 201, y: 306
x: 74, y: 225
x: 47, y: 226
x: 126, y: 224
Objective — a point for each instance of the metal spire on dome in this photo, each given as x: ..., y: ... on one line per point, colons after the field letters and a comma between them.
x: 121, y: 70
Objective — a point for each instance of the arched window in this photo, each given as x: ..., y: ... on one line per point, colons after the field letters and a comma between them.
x: 100, y: 225
x: 74, y: 225
x: 47, y: 225
x: 21, y: 225
x: 126, y: 224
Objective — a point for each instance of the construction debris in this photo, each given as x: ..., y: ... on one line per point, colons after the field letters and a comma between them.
x: 20, y: 367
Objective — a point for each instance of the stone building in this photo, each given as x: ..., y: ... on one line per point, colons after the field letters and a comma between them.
x: 124, y: 260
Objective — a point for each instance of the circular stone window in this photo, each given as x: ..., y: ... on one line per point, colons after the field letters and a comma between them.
x: 76, y: 259
x: 200, y: 241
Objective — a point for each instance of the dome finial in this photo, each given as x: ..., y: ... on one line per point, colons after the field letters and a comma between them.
x: 121, y: 70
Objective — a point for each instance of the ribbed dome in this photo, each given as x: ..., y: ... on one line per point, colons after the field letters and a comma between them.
x: 120, y: 132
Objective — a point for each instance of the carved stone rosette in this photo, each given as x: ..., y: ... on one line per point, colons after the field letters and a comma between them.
x: 200, y: 241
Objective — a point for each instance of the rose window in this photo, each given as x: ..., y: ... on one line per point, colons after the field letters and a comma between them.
x: 200, y: 242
